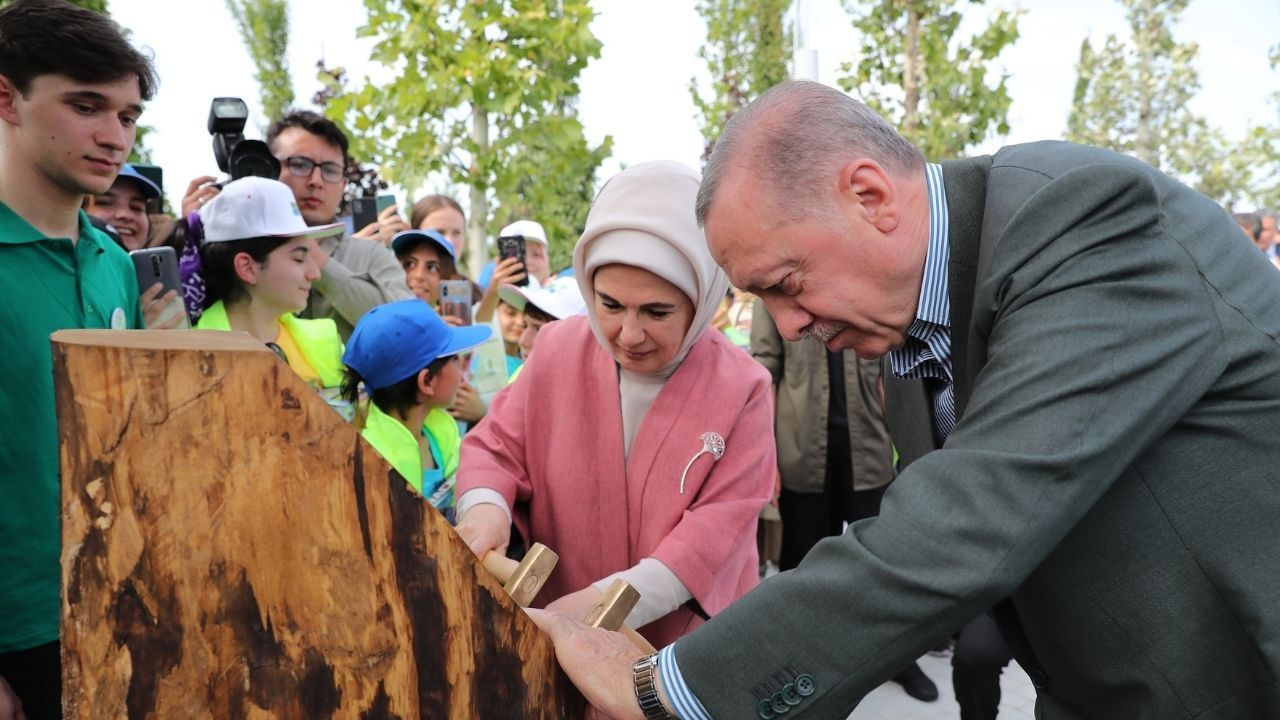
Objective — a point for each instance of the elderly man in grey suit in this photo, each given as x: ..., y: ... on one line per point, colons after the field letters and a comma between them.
x: 1100, y: 359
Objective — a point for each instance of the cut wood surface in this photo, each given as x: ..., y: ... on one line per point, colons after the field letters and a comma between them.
x: 233, y: 549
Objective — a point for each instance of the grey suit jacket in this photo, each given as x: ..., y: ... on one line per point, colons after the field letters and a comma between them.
x: 1114, y: 471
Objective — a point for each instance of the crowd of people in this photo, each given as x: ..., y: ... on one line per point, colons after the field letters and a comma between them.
x: 664, y: 410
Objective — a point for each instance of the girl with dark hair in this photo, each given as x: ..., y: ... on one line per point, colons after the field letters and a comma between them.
x: 257, y: 265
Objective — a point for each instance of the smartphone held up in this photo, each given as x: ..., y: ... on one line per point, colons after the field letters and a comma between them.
x: 160, y: 265
x: 455, y: 300
x: 512, y: 246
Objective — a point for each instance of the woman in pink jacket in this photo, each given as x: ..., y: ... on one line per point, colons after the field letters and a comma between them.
x: 636, y: 443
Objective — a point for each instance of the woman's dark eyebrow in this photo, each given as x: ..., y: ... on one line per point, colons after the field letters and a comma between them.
x: 647, y: 306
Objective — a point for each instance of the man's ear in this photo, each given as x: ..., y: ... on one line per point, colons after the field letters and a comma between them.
x: 868, y: 187
x: 246, y: 268
x: 9, y: 95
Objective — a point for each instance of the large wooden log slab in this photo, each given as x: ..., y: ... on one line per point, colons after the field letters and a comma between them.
x: 233, y: 549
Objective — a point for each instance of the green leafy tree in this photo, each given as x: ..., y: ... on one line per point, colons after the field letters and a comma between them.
x: 747, y: 48
x: 942, y: 94
x: 484, y: 92
x: 1133, y: 95
x: 264, y: 29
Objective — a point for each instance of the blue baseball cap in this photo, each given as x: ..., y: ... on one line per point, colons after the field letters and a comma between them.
x: 394, y: 341
x: 149, y: 189
x: 406, y: 239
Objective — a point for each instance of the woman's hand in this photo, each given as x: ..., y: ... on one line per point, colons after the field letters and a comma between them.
x: 485, y: 527
x: 508, y: 271
x: 162, y: 312
x: 199, y: 191
x: 577, y: 604
x: 467, y: 405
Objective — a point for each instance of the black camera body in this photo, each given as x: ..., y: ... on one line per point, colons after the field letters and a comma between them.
x: 237, y: 156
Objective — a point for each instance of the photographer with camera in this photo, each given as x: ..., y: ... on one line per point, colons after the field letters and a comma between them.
x: 357, y: 274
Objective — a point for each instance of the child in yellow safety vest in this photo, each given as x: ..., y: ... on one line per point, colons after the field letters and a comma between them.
x: 258, y: 264
x: 409, y: 362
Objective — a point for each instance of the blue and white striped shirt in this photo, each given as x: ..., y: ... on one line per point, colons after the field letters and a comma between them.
x: 926, y: 353
x: 927, y: 350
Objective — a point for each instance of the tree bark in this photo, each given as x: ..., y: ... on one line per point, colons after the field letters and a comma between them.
x: 476, y: 239
x: 233, y: 549
x: 1144, y: 28
x: 911, y: 66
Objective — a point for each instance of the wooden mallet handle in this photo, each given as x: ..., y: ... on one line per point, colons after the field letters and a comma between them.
x: 522, y: 580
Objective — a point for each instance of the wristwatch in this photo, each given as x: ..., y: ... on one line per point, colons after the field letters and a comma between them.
x: 645, y: 672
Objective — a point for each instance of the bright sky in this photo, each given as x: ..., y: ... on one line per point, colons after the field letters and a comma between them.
x: 637, y: 91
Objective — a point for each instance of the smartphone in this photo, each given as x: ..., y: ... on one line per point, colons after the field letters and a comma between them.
x: 158, y: 265
x: 455, y: 299
x: 513, y: 246
x: 365, y: 210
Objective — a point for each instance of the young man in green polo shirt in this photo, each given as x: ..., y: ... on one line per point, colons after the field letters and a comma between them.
x: 71, y: 90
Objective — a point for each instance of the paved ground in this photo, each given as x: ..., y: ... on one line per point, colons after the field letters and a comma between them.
x: 888, y: 702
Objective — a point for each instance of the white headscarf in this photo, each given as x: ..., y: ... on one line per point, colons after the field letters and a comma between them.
x: 644, y: 217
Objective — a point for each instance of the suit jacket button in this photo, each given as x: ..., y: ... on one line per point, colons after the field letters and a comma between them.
x: 765, y: 710
x: 1038, y: 679
x: 805, y: 685
x: 790, y: 696
x: 779, y: 705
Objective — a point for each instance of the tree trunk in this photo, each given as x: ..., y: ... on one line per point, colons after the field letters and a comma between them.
x: 1144, y: 146
x: 232, y: 549
x: 476, y: 238
x: 911, y: 67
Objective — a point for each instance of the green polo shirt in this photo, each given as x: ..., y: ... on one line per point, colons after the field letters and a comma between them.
x: 46, y: 284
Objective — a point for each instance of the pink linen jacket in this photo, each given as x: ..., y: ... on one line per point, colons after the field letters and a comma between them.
x: 551, y: 444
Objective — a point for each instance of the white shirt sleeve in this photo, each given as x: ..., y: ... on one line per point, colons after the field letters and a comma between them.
x: 660, y: 590
x: 477, y: 496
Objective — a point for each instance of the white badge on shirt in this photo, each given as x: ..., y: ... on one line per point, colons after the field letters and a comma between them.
x: 118, y: 321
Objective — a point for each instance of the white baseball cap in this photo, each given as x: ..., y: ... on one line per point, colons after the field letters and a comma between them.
x: 528, y: 228
x: 254, y: 207
x: 561, y: 298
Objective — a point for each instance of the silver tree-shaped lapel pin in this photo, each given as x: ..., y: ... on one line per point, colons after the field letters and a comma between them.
x: 713, y: 445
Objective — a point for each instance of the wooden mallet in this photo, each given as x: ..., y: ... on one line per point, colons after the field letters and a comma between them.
x: 613, y: 609
x: 522, y: 580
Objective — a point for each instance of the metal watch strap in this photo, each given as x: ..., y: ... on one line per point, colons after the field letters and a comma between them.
x: 645, y: 671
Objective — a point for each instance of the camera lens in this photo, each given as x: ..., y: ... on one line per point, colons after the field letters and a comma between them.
x: 251, y: 166
x: 253, y: 158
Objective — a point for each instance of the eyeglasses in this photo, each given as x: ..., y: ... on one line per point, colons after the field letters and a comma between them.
x: 300, y: 166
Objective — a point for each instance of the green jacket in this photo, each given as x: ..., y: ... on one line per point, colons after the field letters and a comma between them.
x: 398, y: 446
x: 800, y: 374
x: 321, y: 346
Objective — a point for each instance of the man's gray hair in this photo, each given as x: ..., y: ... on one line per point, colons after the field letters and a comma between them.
x: 793, y: 136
